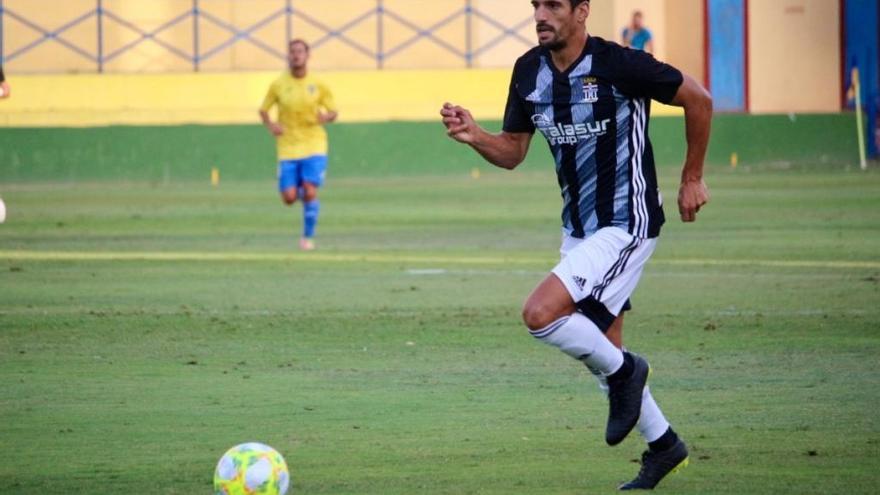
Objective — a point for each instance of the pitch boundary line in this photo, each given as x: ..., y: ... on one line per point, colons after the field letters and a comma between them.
x: 378, y: 258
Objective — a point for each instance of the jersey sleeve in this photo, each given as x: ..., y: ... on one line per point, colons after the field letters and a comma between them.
x: 516, y: 119
x: 326, y: 99
x: 641, y: 75
x: 270, y: 100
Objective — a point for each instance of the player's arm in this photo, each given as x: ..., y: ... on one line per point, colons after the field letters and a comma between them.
x: 697, y: 103
x: 643, y: 76
x: 328, y: 113
x: 4, y: 86
x: 268, y: 102
x: 505, y: 150
x: 274, y: 127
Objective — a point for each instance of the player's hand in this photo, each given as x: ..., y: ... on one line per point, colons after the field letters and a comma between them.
x: 460, y: 124
x: 692, y: 195
x: 326, y: 117
x: 276, y: 129
x: 5, y: 92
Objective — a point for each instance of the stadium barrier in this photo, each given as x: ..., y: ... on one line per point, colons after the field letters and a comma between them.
x: 230, y: 98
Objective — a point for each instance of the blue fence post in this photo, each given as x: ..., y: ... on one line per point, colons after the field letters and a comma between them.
x: 380, y: 34
x: 2, y: 52
x: 288, y: 9
x: 99, y: 13
x: 469, y: 33
x: 195, y: 13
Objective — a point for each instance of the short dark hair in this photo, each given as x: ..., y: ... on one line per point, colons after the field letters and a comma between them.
x: 575, y: 3
x: 299, y: 41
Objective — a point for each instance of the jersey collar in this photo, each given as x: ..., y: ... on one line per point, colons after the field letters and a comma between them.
x: 589, y: 46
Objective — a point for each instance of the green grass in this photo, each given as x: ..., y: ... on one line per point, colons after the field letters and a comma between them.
x: 393, y: 360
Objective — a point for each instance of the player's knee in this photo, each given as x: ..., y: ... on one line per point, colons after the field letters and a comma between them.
x: 310, y: 192
x: 288, y: 199
x: 537, y: 316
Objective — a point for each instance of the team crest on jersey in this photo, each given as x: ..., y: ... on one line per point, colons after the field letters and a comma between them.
x: 311, y: 89
x: 591, y: 90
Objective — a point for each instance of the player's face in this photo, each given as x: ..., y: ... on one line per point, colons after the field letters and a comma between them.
x: 297, y: 56
x: 556, y: 21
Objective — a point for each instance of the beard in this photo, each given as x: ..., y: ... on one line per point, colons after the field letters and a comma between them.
x: 554, y: 44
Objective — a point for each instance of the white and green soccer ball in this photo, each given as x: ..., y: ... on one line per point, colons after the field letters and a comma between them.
x: 251, y: 469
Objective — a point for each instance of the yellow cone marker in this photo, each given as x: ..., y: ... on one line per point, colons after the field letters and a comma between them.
x: 734, y: 160
x: 215, y: 177
x: 475, y: 173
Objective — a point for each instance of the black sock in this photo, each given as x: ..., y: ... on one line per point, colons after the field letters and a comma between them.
x: 665, y: 442
x: 625, y: 371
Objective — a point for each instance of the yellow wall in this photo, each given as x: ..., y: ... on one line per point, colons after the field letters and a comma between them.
x: 607, y: 20
x: 684, y: 36
x: 332, y: 54
x: 794, y: 51
x: 94, y: 100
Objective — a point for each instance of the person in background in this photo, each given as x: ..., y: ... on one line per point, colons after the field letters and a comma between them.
x: 305, y: 105
x: 637, y: 36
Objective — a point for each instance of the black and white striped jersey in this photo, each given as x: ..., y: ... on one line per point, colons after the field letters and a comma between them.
x: 595, y: 118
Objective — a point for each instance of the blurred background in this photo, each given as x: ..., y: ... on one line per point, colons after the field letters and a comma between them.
x: 173, y: 61
x: 96, y: 63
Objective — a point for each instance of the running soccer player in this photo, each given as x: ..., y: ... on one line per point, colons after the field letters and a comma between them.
x: 591, y: 99
x: 305, y: 104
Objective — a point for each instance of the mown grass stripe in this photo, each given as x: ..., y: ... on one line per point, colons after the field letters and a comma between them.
x: 393, y: 258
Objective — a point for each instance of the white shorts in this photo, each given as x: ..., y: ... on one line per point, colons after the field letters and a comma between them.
x: 602, y: 271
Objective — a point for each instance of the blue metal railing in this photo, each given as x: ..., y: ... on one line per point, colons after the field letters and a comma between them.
x: 380, y: 52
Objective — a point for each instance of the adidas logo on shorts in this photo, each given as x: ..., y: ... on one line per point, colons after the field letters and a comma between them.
x: 580, y: 281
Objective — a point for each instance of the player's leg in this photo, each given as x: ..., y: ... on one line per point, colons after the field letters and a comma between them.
x: 666, y: 452
x: 288, y: 172
x: 313, y: 173
x: 652, y: 425
x: 551, y: 316
x: 311, y: 209
x: 554, y: 318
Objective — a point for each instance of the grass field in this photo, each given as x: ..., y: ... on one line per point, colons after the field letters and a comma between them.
x: 146, y: 328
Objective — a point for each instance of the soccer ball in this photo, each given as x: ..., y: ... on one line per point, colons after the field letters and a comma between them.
x: 249, y: 469
x: 2, y: 211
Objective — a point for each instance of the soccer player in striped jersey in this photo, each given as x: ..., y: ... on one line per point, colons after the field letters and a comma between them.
x: 304, y: 104
x: 591, y: 100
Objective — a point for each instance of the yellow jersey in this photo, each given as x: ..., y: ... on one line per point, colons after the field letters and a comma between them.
x: 299, y: 100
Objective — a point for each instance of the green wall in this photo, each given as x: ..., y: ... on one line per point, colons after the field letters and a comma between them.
x: 167, y: 154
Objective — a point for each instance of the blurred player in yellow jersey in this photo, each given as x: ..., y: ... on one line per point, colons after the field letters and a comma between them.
x: 304, y: 104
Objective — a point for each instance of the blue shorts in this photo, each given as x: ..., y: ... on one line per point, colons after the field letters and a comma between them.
x: 292, y: 173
